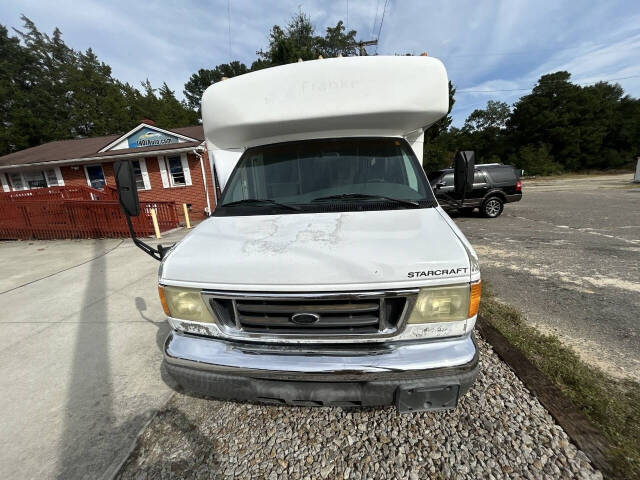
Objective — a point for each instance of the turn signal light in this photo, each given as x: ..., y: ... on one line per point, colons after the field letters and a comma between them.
x: 474, y: 300
x: 163, y: 300
x: 518, y: 186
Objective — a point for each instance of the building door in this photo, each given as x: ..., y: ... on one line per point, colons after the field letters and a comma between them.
x: 95, y: 176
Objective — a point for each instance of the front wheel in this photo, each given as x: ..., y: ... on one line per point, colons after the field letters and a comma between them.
x: 492, y: 207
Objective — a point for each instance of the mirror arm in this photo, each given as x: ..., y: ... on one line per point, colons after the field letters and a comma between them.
x: 464, y: 195
x: 148, y: 249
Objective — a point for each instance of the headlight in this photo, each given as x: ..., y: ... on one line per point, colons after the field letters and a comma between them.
x: 446, y: 304
x: 184, y: 303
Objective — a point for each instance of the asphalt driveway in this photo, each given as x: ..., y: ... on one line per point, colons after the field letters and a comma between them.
x: 568, y: 256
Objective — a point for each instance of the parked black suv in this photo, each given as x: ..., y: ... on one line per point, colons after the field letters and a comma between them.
x: 494, y: 185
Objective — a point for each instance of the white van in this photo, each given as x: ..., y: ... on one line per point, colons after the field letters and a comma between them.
x: 328, y: 274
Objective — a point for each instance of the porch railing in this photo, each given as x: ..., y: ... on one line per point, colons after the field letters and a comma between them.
x: 65, y: 193
x: 54, y: 216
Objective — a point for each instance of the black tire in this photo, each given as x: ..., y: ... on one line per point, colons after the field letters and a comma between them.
x: 492, y: 207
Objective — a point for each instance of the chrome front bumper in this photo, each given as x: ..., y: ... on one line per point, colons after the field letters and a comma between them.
x: 413, y: 375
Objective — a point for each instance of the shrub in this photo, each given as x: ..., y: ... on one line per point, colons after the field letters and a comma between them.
x: 536, y: 160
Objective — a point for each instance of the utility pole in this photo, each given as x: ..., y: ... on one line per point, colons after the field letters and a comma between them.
x: 363, y: 43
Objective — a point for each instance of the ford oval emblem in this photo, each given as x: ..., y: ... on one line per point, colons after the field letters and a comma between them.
x: 305, y: 318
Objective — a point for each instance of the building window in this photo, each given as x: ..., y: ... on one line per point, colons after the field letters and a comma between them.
x: 95, y: 176
x: 137, y: 171
x: 35, y: 179
x: 16, y: 181
x: 5, y: 183
x: 52, y: 178
x: 176, y: 172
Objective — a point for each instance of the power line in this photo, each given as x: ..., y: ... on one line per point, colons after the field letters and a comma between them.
x: 347, y: 16
x: 375, y: 18
x: 381, y: 22
x: 229, y: 25
x: 529, y: 88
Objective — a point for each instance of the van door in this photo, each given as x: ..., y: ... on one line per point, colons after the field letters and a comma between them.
x: 480, y: 189
x: 444, y: 189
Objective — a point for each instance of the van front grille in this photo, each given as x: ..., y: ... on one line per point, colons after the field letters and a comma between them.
x: 369, y: 313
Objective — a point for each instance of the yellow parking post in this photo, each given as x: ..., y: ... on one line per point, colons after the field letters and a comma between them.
x: 154, y: 217
x: 186, y: 215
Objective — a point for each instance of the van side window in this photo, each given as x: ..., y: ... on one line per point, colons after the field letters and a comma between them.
x: 240, y: 189
x: 503, y: 174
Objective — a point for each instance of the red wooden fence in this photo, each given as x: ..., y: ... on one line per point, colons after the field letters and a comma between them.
x: 66, y: 193
x: 57, y: 217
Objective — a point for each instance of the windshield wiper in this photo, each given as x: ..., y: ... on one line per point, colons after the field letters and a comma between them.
x: 260, y: 201
x: 364, y: 196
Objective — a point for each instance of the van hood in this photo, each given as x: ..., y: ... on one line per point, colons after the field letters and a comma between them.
x: 320, y: 252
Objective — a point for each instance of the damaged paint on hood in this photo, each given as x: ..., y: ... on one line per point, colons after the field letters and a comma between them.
x: 319, y: 251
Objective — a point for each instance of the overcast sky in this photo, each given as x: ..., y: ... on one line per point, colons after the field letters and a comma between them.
x: 484, y: 45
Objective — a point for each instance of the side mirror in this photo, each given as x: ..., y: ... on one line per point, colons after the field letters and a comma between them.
x: 463, y: 170
x: 127, y: 189
x: 130, y: 204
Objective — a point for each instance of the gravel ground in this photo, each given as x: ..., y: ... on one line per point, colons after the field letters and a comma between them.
x: 498, y: 430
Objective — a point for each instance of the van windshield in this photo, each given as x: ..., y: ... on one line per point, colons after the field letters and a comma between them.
x: 322, y: 175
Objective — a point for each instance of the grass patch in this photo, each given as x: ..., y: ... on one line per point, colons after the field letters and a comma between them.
x: 584, y: 173
x: 612, y: 405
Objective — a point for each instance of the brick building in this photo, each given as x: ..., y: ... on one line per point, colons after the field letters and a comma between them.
x: 169, y: 165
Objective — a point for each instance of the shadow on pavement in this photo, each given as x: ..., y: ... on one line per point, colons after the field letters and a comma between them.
x: 92, y: 438
x: 161, y: 338
x: 162, y: 325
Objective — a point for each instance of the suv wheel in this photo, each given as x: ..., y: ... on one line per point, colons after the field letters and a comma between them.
x: 492, y: 207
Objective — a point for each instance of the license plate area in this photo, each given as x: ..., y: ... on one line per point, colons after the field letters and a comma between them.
x: 418, y: 399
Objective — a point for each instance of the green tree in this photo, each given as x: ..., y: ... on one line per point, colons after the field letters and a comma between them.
x: 494, y: 116
x: 49, y: 98
x: 18, y: 77
x: 548, y: 115
x: 48, y: 91
x: 337, y: 41
x: 295, y: 41
x: 484, y: 132
x: 536, y: 160
x: 162, y: 106
x: 299, y: 41
x: 439, y: 141
x: 171, y: 111
x: 583, y: 126
x: 198, y: 82
x: 96, y: 106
